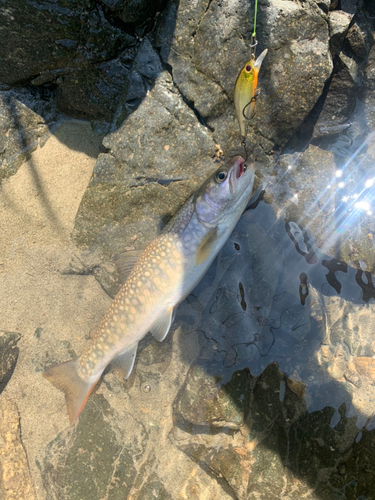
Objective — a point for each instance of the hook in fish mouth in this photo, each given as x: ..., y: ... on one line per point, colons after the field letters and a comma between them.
x: 242, y: 167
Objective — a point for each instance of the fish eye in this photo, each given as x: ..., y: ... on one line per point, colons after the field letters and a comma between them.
x: 221, y: 176
x: 244, y: 166
x: 248, y: 68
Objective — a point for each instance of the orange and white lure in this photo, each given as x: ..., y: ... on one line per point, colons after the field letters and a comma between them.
x: 245, y: 91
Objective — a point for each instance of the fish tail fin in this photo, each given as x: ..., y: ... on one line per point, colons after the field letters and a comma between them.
x: 65, y: 377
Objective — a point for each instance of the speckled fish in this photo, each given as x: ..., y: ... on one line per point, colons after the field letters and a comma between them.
x: 165, y: 273
x: 245, y: 89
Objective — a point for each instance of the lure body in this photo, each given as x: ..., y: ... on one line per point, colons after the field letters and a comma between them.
x: 245, y: 91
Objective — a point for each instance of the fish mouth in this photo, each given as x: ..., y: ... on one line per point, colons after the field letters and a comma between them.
x: 242, y: 166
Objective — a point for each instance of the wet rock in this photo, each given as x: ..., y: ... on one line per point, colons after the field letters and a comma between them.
x: 15, y: 479
x: 153, y: 489
x: 351, y: 349
x: 8, y: 356
x: 206, y: 400
x: 265, y: 457
x: 151, y: 169
x: 98, y: 450
x: 369, y: 80
x: 339, y: 22
x: 206, y: 77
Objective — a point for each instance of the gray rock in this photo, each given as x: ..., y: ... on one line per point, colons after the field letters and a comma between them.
x: 24, y: 118
x: 339, y: 103
x: 142, y: 75
x: 350, y: 6
x: 360, y: 38
x: 8, y: 356
x: 152, y: 168
x: 78, y: 50
x: 92, y: 92
x: 339, y: 22
x: 74, y: 35
x: 136, y: 12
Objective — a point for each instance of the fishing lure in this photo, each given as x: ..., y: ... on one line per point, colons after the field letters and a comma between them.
x: 246, y: 92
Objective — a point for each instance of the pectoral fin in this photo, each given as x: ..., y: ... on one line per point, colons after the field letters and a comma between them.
x: 124, y: 362
x: 206, y: 247
x: 162, y: 325
x: 125, y: 262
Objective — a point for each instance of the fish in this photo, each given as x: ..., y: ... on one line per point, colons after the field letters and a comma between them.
x: 161, y: 277
x: 245, y: 91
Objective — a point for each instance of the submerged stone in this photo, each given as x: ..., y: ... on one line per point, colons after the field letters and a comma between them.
x: 94, y: 459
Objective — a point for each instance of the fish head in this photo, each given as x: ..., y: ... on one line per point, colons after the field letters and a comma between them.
x: 225, y: 192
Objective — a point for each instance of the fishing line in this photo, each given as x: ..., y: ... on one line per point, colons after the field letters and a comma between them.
x: 253, y: 44
x: 254, y: 41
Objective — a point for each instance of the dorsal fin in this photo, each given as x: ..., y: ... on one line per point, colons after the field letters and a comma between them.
x: 125, y: 261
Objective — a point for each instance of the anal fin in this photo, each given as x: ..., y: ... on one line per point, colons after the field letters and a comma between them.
x: 162, y: 325
x: 124, y: 362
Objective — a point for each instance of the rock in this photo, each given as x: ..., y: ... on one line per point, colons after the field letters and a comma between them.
x: 337, y: 106
x: 205, y: 400
x: 93, y: 92
x: 350, y: 6
x: 264, y: 458
x: 24, y: 118
x: 8, y: 356
x: 323, y: 4
x: 152, y: 489
x: 134, y: 12
x: 74, y: 35
x: 98, y: 450
x: 15, y: 479
x: 339, y: 22
x: 151, y: 169
x: 78, y: 51
x: 359, y: 38
x: 143, y: 73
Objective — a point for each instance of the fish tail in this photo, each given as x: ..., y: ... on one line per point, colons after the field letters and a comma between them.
x: 77, y: 391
